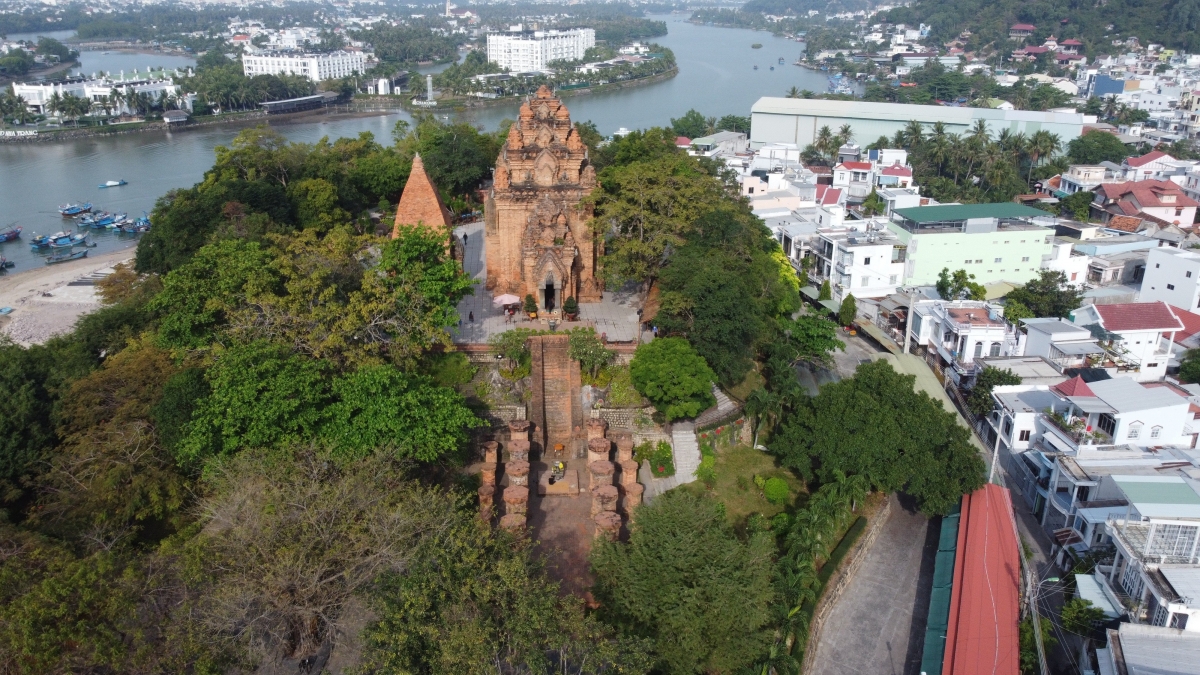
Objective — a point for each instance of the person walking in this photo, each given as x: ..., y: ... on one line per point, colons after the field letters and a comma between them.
x: 471, y: 317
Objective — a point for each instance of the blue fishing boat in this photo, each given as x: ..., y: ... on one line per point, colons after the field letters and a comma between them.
x: 10, y: 233
x: 138, y: 225
x: 5, y: 263
x: 64, y: 240
x: 97, y: 221
x: 113, y: 183
x: 69, y: 210
x: 64, y: 257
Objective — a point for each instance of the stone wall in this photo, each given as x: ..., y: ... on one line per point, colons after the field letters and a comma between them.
x: 623, y: 418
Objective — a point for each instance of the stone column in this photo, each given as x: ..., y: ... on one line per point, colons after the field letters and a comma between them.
x: 518, y: 451
x: 624, y: 442
x: 595, y: 427
x: 633, y: 498
x: 491, y: 451
x: 518, y: 430
x: 486, y: 496
x: 601, y: 473
x: 608, y: 525
x: 599, y: 450
x: 488, y: 472
x: 516, y: 499
x: 604, y: 498
x: 517, y: 472
x: 629, y: 471
x: 513, y: 522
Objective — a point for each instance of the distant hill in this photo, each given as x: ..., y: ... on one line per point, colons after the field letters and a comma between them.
x: 802, y: 7
x: 1172, y: 23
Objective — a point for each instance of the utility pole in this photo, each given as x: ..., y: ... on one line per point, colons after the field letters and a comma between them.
x: 908, y: 319
x: 1037, y: 626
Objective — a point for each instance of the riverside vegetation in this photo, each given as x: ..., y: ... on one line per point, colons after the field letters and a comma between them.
x: 257, y: 442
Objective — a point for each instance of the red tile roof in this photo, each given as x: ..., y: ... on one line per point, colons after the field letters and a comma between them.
x: 1191, y: 323
x: 855, y: 166
x: 1147, y: 193
x: 1146, y: 158
x: 982, y: 632
x: 1073, y: 387
x: 1072, y: 41
x: 682, y: 141
x: 1125, y: 223
x: 1138, y: 316
x: 896, y: 170
x: 1023, y: 26
x: 827, y: 196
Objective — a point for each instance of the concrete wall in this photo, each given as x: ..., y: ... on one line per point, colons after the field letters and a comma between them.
x: 1020, y: 253
x: 1172, y: 276
x: 786, y: 120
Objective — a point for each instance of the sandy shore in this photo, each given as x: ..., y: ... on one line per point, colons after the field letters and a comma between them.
x: 43, y: 301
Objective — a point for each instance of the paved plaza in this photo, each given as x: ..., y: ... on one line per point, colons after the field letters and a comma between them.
x: 615, y: 316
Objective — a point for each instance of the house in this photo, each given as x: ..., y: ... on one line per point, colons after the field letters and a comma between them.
x: 1021, y: 31
x: 866, y: 263
x: 1137, y: 335
x: 960, y: 332
x: 1134, y: 649
x: 720, y: 143
x: 1172, y: 276
x: 856, y: 178
x: 1146, y: 166
x: 1088, y: 177
x: 1063, y: 258
x: 1062, y: 343
x: 1070, y: 46
x: 894, y: 176
x: 1159, y: 200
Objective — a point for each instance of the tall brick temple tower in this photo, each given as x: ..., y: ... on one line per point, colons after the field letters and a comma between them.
x: 538, y: 240
x: 420, y: 202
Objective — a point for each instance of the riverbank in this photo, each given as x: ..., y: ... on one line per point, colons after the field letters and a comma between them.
x: 44, y: 301
x: 38, y: 74
x: 472, y: 103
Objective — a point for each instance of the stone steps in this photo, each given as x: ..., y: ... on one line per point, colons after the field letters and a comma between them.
x: 686, y: 451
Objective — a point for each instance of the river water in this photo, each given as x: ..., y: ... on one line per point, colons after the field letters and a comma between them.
x: 716, y: 76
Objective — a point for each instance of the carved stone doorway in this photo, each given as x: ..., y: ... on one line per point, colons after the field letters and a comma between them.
x: 548, y: 295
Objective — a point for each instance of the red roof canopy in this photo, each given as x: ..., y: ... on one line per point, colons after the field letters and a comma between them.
x: 1138, y: 316
x: 1023, y: 26
x: 1146, y: 158
x: 1073, y: 387
x: 856, y: 166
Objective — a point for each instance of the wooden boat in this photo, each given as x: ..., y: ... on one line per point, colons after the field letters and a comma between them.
x: 64, y: 257
x: 69, y: 210
x: 5, y: 263
x: 64, y: 240
x: 113, y: 183
x: 10, y: 233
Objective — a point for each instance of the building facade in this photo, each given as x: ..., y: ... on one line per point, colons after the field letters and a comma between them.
x: 316, y: 67
x: 538, y: 239
x: 524, y: 51
x: 37, y: 95
x: 1172, y: 276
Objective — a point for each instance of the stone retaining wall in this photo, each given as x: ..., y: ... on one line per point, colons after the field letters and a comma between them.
x: 622, y: 418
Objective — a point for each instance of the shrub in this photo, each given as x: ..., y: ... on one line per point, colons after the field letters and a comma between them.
x: 662, y: 462
x: 571, y: 305
x: 530, y: 304
x: 643, y: 452
x: 676, y: 379
x: 780, y: 522
x: 621, y: 391
x: 707, y: 471
x: 776, y: 490
x: 450, y: 369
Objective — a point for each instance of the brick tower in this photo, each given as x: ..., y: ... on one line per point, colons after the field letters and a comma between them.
x: 420, y: 203
x: 538, y: 240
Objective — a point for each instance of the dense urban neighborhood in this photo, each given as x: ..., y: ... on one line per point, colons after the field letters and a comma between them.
x: 900, y: 374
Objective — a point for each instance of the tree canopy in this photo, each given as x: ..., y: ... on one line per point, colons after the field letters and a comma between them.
x: 670, y: 373
x: 1049, y: 295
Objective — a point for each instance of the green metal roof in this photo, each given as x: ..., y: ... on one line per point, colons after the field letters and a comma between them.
x: 952, y: 212
x: 1141, y: 491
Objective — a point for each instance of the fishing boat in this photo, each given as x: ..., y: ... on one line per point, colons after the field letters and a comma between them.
x: 98, y: 221
x: 64, y: 257
x: 64, y: 240
x: 113, y: 183
x: 70, y: 210
x: 756, y: 67
x: 138, y: 225
x: 10, y: 233
x: 772, y: 67
x: 781, y: 60
x: 5, y: 263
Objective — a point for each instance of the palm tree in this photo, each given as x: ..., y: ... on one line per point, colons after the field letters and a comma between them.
x: 1041, y: 144
x: 793, y: 93
x: 710, y: 125
x: 980, y: 131
x: 914, y: 133
x: 761, y: 405
x: 54, y: 103
x: 825, y: 141
x: 845, y: 135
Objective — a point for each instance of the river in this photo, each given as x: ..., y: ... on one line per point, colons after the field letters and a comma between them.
x: 716, y: 77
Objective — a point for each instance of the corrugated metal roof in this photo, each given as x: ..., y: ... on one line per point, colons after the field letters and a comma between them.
x: 951, y: 212
x: 1153, y: 650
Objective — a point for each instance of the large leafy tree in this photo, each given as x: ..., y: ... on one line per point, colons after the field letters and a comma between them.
x: 876, y: 426
x: 686, y: 581
x: 26, y: 427
x: 670, y: 373
x: 692, y: 124
x: 959, y: 285
x: 1095, y: 147
x: 980, y: 398
x: 1048, y: 295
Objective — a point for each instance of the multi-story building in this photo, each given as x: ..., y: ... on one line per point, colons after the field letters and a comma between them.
x: 1088, y: 177
x: 865, y: 263
x: 521, y: 51
x: 1158, y: 200
x: 1137, y: 336
x: 316, y: 67
x: 960, y: 333
x: 857, y: 178
x: 98, y: 90
x: 1172, y: 276
x: 994, y: 242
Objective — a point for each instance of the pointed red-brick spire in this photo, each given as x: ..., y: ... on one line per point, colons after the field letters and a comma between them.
x: 420, y: 202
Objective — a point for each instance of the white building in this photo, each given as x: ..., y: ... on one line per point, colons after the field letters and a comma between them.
x: 865, y: 263
x: 523, y: 51
x: 962, y: 331
x: 316, y: 67
x: 1172, y: 276
x: 857, y: 178
x: 1063, y: 258
x: 1140, y: 335
x: 98, y: 90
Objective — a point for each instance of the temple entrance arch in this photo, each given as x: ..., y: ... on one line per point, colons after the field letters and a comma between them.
x: 549, y: 296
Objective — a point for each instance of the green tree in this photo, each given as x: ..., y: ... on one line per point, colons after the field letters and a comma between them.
x: 873, y: 205
x: 1077, y: 206
x: 958, y: 285
x: 737, y: 123
x: 1081, y: 617
x: 1097, y: 146
x: 585, y: 347
x: 980, y: 398
x: 1030, y: 664
x: 1189, y: 366
x: 691, y: 125
x: 848, y: 310
x: 686, y: 581
x: 1048, y: 295
x: 670, y: 373
x: 826, y: 292
x: 26, y: 428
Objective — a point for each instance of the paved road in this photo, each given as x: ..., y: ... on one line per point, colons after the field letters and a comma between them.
x: 877, y: 626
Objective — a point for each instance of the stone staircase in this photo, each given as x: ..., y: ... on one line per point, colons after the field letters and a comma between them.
x: 724, y: 408
x: 686, y: 450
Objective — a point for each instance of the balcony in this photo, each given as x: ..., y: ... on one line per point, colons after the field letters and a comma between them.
x: 1163, y: 543
x: 1075, y: 432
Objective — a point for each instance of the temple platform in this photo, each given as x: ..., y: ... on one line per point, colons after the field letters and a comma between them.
x: 567, y: 487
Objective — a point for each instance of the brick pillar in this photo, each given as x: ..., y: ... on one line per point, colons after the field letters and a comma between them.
x: 486, y: 496
x: 488, y: 472
x: 624, y: 441
x: 629, y: 470
x: 518, y: 430
x: 518, y: 451
x: 602, y: 473
x: 517, y: 472
x: 608, y: 525
x: 513, y: 522
x: 595, y: 428
x: 604, y: 498
x: 554, y: 406
x: 632, y: 498
x: 599, y: 450
x: 491, y: 451
x: 516, y: 499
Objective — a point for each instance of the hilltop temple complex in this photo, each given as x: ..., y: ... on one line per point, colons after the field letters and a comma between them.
x: 538, y: 239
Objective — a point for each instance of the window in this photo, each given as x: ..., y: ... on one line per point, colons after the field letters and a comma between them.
x: 978, y: 261
x: 998, y: 260
x: 1107, y: 423
x: 966, y: 262
x: 866, y: 281
x: 1025, y: 259
x: 1135, y: 431
x: 892, y: 279
x: 752, y: 192
x: 978, y: 349
x: 1024, y: 435
x: 1156, y: 265
x: 1074, y: 275
x: 866, y: 261
x: 994, y: 350
x: 1170, y: 287
x: 1155, y: 432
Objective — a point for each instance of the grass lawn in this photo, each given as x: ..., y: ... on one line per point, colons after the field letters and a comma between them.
x: 743, y: 500
x: 752, y: 381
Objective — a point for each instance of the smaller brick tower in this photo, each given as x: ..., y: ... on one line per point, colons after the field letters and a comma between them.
x: 420, y: 203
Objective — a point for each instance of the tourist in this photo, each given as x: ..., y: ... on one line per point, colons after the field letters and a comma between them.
x: 471, y: 317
